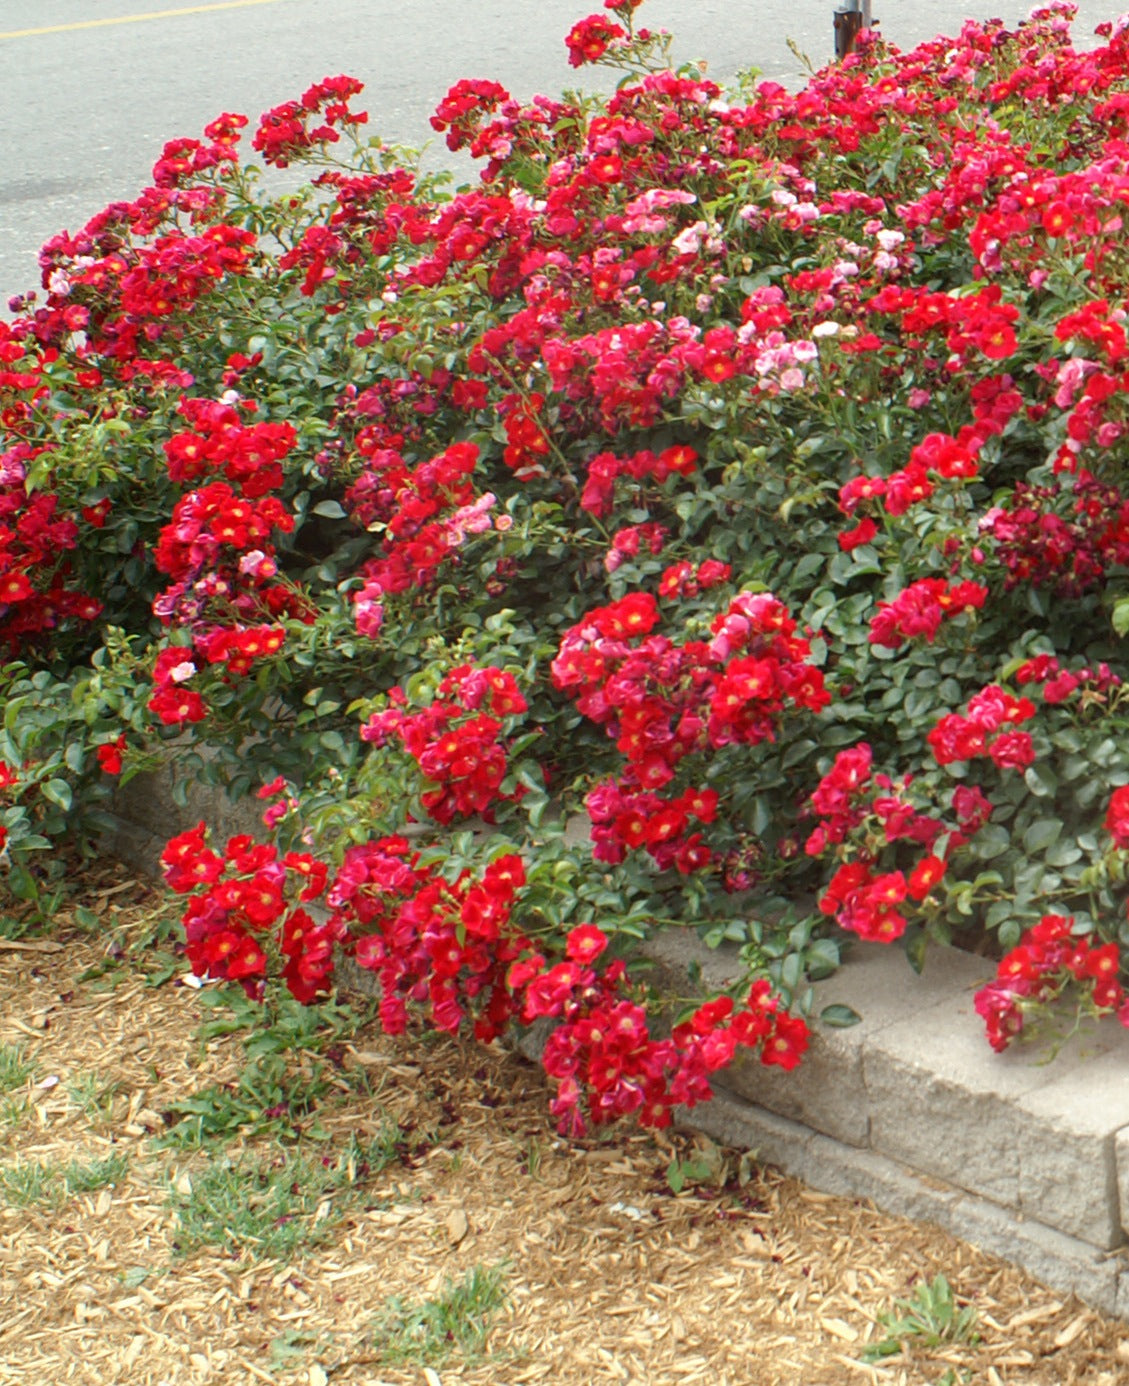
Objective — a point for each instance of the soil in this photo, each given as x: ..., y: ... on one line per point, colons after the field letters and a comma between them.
x: 746, y: 1278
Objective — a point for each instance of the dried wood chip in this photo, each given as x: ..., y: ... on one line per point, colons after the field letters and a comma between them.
x: 256, y: 1372
x: 457, y: 1226
x: 840, y: 1329
x: 1035, y: 1315
x: 1072, y: 1330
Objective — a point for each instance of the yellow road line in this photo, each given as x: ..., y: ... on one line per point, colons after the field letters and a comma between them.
x: 134, y: 18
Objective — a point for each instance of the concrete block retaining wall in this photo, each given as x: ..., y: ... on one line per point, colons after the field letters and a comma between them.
x: 1025, y: 1158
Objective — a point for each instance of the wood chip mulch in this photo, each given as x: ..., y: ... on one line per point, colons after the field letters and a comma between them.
x: 609, y: 1277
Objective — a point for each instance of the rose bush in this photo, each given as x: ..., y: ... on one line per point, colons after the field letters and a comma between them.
x: 736, y: 474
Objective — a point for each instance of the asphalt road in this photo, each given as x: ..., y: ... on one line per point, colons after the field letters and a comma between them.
x: 89, y: 92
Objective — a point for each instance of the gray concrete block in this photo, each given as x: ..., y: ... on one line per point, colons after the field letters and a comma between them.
x: 148, y: 802
x: 1066, y: 1137
x: 945, y: 1104
x: 828, y: 1090
x: 729, y: 1121
x: 1121, y: 1160
x: 1121, y: 1304
x: 835, y: 1168
x: 1067, y: 1264
x: 138, y: 847
x: 673, y: 952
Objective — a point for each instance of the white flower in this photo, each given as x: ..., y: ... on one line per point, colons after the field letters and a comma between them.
x: 689, y: 241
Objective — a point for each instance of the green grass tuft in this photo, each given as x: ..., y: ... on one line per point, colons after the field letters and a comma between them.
x: 27, y: 1184
x: 269, y: 1209
x: 457, y: 1320
x: 15, y: 1067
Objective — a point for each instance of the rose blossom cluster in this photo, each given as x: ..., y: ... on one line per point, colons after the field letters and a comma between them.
x: 986, y: 728
x: 285, y: 133
x: 662, y: 702
x: 1059, y: 685
x: 249, y: 455
x: 35, y: 596
x: 245, y: 921
x: 589, y: 39
x: 605, y: 1061
x: 224, y: 592
x: 424, y: 515
x: 483, y: 118
x: 862, y: 814
x: 1046, y: 536
x: 921, y: 607
x: 939, y: 456
x: 125, y: 296
x: 1053, y: 956
x: 455, y: 740
x: 598, y: 495
x: 1049, y: 958
x: 455, y: 951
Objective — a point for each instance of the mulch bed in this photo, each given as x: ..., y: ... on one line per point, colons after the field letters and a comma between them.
x: 609, y: 1276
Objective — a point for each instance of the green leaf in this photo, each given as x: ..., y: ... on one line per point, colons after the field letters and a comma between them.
x: 998, y: 914
x: 792, y: 971
x: 839, y: 1016
x: 1040, y: 780
x: 1043, y: 833
x: 330, y: 510
x: 823, y: 956
x: 991, y: 841
x: 58, y: 792
x: 1064, y: 854
x: 915, y: 946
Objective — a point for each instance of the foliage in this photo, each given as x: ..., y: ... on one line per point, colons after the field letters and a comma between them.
x: 15, y: 1067
x: 928, y: 1318
x: 30, y: 1182
x: 265, y: 1208
x: 289, y: 1053
x: 456, y: 1320
x: 738, y: 475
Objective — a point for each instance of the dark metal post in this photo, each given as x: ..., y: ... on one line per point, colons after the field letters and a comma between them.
x: 851, y: 17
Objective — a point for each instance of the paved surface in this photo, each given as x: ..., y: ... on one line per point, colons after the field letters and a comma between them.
x: 85, y: 104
